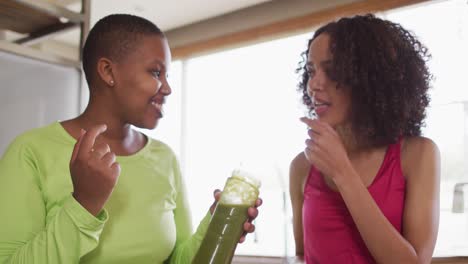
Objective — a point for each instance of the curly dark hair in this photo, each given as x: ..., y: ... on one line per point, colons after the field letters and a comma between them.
x: 384, y: 66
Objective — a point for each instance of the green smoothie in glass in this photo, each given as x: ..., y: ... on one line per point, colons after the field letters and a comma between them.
x: 226, y: 225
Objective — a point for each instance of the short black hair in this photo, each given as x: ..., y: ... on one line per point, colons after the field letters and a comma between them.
x: 385, y: 68
x: 114, y: 36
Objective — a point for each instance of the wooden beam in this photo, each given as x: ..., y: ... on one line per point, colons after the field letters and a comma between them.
x: 63, y: 2
x: 287, y: 27
x: 36, y: 54
x: 47, y: 32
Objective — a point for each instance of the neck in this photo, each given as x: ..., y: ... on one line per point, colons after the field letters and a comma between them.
x: 101, y: 112
x: 120, y: 136
x: 355, y: 147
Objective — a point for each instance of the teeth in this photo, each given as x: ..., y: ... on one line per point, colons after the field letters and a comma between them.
x: 158, y: 106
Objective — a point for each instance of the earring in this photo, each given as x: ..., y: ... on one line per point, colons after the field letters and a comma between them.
x: 111, y: 82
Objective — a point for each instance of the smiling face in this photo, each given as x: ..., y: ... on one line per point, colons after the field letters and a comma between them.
x: 332, y: 105
x: 141, y: 82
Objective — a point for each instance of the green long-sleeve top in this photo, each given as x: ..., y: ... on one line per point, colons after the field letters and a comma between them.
x: 146, y: 219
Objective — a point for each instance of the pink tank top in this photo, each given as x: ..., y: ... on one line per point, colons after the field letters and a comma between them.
x: 330, y: 235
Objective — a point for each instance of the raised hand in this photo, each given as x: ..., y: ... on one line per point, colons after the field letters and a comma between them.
x: 325, y: 150
x: 93, y: 170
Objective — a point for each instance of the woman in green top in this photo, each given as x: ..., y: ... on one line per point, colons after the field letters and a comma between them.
x: 92, y: 189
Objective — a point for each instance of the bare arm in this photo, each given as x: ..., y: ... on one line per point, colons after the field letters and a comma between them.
x: 421, y: 216
x: 298, y: 172
x: 420, y: 162
x: 421, y: 166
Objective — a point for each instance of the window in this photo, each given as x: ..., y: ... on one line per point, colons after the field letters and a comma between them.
x: 241, y: 106
x: 447, y: 117
x: 238, y: 107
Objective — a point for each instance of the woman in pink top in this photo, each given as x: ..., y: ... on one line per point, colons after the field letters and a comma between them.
x: 366, y: 187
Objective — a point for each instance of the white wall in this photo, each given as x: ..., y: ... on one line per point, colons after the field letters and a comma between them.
x: 33, y: 94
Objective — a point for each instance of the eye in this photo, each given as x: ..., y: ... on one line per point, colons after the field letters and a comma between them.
x: 156, y: 74
x: 330, y: 73
x: 310, y: 72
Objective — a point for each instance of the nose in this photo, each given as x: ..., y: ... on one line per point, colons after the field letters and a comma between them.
x: 166, y: 88
x: 315, y: 83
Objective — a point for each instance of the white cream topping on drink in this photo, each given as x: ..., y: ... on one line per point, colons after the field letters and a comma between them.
x: 241, y: 189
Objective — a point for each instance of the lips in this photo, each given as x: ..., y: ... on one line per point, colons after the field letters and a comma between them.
x: 158, y: 103
x: 321, y: 106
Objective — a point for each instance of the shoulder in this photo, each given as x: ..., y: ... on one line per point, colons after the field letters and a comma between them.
x: 159, y: 147
x: 163, y: 152
x: 298, y: 171
x: 418, y: 152
x: 37, y: 133
x: 31, y: 139
x: 300, y: 163
x: 416, y: 148
x: 26, y: 151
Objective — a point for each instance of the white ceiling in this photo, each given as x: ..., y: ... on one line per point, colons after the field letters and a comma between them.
x: 166, y: 14
x: 169, y: 14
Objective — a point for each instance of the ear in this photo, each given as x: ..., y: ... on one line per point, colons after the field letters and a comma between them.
x: 104, y: 70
